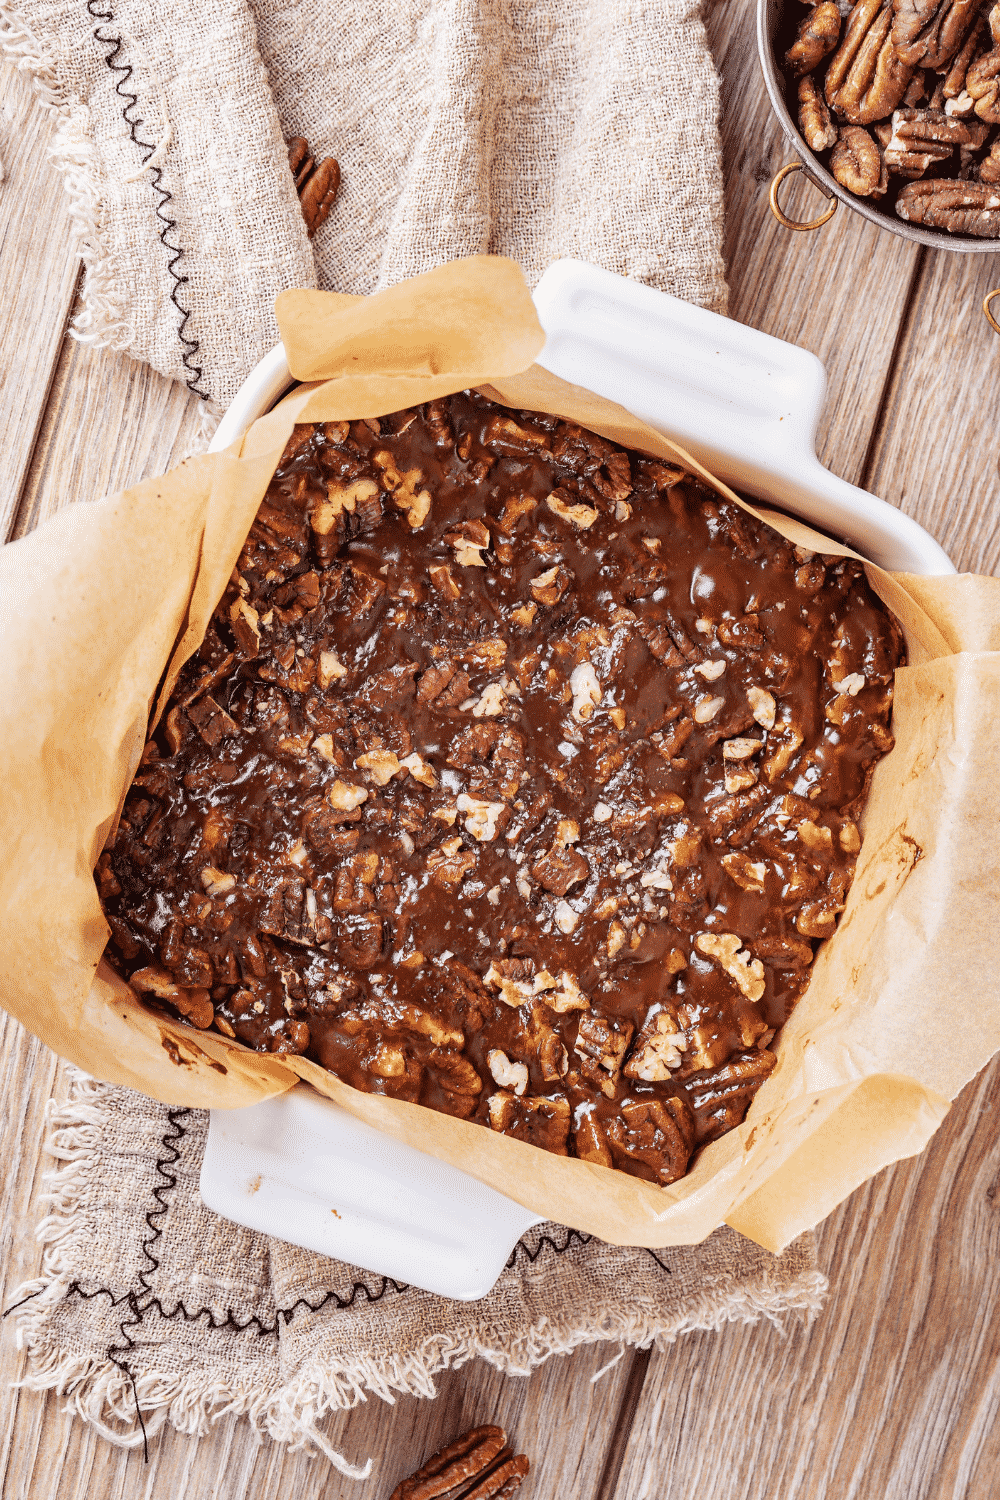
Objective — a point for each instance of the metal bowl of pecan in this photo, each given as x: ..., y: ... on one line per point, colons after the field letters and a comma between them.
x: 893, y: 107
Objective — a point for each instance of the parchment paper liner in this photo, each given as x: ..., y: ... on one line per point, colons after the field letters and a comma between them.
x: 900, y: 1011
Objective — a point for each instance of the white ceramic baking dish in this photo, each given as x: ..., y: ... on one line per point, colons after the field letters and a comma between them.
x: 300, y: 1168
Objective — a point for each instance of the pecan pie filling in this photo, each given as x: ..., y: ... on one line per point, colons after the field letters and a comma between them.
x: 518, y: 776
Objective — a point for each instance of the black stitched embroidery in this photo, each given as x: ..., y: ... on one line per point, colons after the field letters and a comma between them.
x: 138, y: 1305
x: 657, y: 1259
x: 573, y: 1237
x: 190, y: 346
x: 138, y: 1309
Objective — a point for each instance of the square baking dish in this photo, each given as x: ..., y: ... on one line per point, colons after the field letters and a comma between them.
x: 299, y: 1167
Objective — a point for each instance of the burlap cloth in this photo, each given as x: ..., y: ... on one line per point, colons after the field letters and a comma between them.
x: 148, y: 1298
x: 574, y: 127
x: 579, y: 127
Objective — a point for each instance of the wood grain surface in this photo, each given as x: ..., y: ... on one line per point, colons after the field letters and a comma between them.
x: 38, y: 273
x: 894, y: 1391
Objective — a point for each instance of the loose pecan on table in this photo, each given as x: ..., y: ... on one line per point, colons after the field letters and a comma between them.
x: 479, y: 1465
x: 317, y: 184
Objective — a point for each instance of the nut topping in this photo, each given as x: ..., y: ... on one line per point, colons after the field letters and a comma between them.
x: 483, y: 814
x: 725, y: 946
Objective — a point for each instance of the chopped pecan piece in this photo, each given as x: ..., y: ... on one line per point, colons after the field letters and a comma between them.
x: 590, y: 1142
x: 458, y: 1081
x: 353, y: 883
x: 601, y: 1045
x: 653, y: 1138
x: 360, y: 940
x: 193, y: 1003
x: 721, y: 1099
x: 818, y: 34
x: 470, y: 540
x: 292, y: 913
x: 514, y: 978
x: 745, y: 971
x: 543, y: 1043
x: 540, y: 1121
x: 549, y: 587
x: 211, y: 721
x: 657, y: 1050
x: 508, y: 436
x: 449, y: 863
x: 561, y: 867
x: 583, y: 516
x: 509, y: 1075
x: 441, y: 577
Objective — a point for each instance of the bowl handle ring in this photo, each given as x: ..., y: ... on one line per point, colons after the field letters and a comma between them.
x: 987, y: 311
x: 796, y: 166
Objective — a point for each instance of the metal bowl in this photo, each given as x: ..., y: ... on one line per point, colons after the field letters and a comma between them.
x: 770, y: 20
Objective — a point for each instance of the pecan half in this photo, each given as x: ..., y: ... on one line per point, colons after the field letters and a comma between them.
x: 975, y: 43
x: 921, y: 137
x: 320, y: 194
x: 543, y: 1121
x: 982, y: 84
x: 815, y: 120
x: 930, y: 32
x: 989, y: 170
x: 300, y: 160
x: 721, y: 1099
x: 476, y: 1466
x: 817, y: 35
x: 960, y: 207
x: 316, y: 185
x: 866, y: 79
x: 653, y: 1138
x: 857, y: 163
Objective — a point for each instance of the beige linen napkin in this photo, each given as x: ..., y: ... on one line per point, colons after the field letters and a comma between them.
x: 148, y: 1303
x: 575, y: 127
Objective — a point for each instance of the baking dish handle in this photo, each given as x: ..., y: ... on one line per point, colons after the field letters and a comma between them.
x: 782, y: 218
x: 987, y: 310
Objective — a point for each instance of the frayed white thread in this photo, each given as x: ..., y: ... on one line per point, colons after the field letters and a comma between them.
x: 101, y: 321
x: 102, y: 1395
x: 609, y: 1366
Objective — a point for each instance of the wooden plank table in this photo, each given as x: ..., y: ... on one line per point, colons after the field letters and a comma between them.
x: 894, y: 1391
